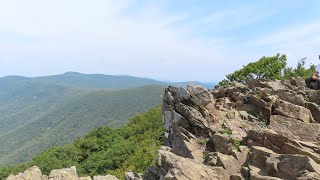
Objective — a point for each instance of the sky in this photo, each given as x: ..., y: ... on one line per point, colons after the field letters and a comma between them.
x: 172, y: 40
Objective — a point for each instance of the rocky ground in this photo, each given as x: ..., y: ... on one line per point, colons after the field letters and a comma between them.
x: 261, y: 130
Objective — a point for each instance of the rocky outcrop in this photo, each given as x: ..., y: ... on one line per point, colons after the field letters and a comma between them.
x: 34, y: 173
x: 258, y: 130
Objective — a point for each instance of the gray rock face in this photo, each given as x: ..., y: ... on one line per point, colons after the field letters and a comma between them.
x: 259, y: 130
x: 315, y: 110
x: 287, y: 109
x: 281, y: 165
x: 60, y: 174
x: 297, y: 99
x: 178, y: 167
x: 298, y: 82
x: 294, y: 129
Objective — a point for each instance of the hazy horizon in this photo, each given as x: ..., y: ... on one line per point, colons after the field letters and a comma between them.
x: 164, y: 40
x: 151, y: 78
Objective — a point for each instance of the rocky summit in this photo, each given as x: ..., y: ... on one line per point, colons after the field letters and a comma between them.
x: 259, y: 130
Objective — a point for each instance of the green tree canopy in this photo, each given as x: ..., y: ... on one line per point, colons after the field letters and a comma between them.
x: 269, y: 68
x: 300, y: 70
x: 105, y: 150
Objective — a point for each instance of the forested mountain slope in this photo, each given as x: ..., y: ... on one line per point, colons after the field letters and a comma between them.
x: 38, y: 112
x: 53, y: 110
x: 105, y: 150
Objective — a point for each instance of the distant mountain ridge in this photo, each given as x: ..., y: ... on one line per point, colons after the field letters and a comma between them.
x: 76, y: 79
x: 203, y: 84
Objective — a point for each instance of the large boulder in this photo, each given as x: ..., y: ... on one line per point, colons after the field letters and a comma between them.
x: 200, y: 96
x: 175, y: 167
x: 33, y: 173
x: 290, y: 166
x: 296, y: 99
x: 221, y: 143
x: 298, y: 82
x: 284, y: 166
x: 64, y: 174
x: 313, y: 95
x: 294, y: 129
x: 276, y: 85
x: 287, y: 109
x: 315, y: 110
x: 259, y: 156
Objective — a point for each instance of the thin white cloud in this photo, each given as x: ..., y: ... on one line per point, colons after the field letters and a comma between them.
x: 237, y: 17
x: 95, y: 37
x: 289, y: 34
x: 297, y: 42
x: 111, y: 37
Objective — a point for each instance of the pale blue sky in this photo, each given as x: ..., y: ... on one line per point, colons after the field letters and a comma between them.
x: 174, y: 40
